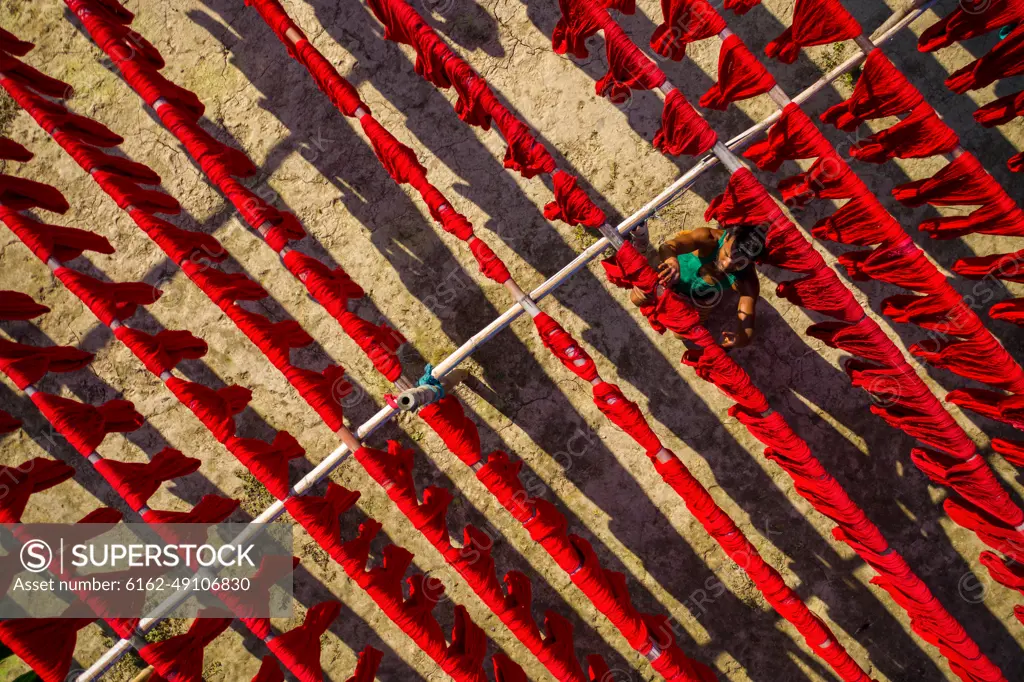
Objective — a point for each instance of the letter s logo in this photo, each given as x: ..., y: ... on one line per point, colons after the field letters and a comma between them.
x: 36, y: 556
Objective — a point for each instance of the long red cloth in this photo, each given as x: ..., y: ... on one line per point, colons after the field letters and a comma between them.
x: 1002, y: 61
x: 740, y: 76
x: 882, y: 90
x: 815, y: 22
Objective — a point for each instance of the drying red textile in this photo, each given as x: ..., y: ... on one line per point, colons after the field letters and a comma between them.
x: 577, y: 23
x: 211, y: 509
x: 685, y: 22
x: 490, y: 265
x: 95, y: 161
x: 920, y: 135
x: 379, y: 341
x: 628, y: 268
x: 815, y: 22
x: 963, y: 181
x: 1008, y: 266
x: 26, y: 479
x: 793, y: 136
x: 25, y: 365
x: 47, y: 645
x: 109, y: 301
x: 992, y: 404
x: 323, y: 391
x: 19, y: 194
x: 507, y: 670
x: 269, y: 671
x: 1004, y: 571
x: 268, y: 462
x: 564, y: 347
x: 823, y: 292
x: 571, y: 204
x: 626, y: 415
x: 1009, y: 311
x: 500, y: 475
x: 342, y: 94
x: 20, y: 73
x: 137, y: 481
x: 862, y: 221
x: 53, y: 241
x: 970, y: 19
x: 999, y: 215
x: 904, y: 265
x: 741, y: 7
x: 15, y: 305
x: 713, y: 364
x: 216, y: 408
x: 1002, y: 61
x: 12, y: 151
x: 215, y: 158
x: 864, y: 339
x: 458, y: 432
x: 275, y: 339
x: 319, y: 516
x: 11, y: 44
x: 398, y: 160
x: 525, y: 154
x: 366, y: 668
x: 629, y: 69
x: 683, y: 130
x: 882, y: 90
x: 224, y: 288
x: 85, y: 426
x: 1011, y: 450
x: 475, y: 100
x: 1016, y: 163
x: 163, y: 351
x: 299, y: 648
x: 989, y: 530
x: 942, y: 312
x: 740, y: 76
x: 331, y: 287
x: 972, y: 479
x: 829, y: 177
x: 181, y: 656
x: 744, y: 202
x: 8, y: 423
x: 786, y: 248
x: 1000, y: 111
x: 180, y: 245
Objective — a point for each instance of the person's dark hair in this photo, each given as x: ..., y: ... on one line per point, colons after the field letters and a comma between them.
x: 749, y: 243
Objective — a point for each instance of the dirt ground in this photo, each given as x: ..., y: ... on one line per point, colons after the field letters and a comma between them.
x: 318, y: 164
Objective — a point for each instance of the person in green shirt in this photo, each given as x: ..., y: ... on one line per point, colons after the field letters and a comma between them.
x: 702, y: 264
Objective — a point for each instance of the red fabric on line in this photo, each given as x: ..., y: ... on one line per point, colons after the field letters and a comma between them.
x: 26, y: 479
x: 268, y: 462
x: 744, y: 202
x: 786, y: 248
x: 15, y: 305
x: 793, y: 136
x: 25, y: 365
x: 629, y: 268
x: 8, y: 424
x: 151, y: 86
x: 972, y: 479
x: 469, y: 643
x: 456, y: 224
x: 475, y: 101
x: 822, y: 292
x: 920, y: 135
x: 524, y: 154
x: 181, y: 656
x: 1009, y: 311
x: 366, y: 668
x: 1000, y: 111
x: 1002, y: 61
x: 1008, y: 266
x: 53, y: 241
x: 224, y: 288
x: 19, y: 194
x: 180, y: 245
x: 684, y: 22
x: 211, y: 509
x: 21, y: 73
x: 1004, y: 571
x: 269, y: 671
x: 137, y: 481
x: 398, y: 160
x: 829, y: 177
x: 713, y: 364
x: 331, y: 287
x: 120, y: 40
x: 999, y: 215
x: 95, y: 160
x: 815, y: 22
x: 1011, y: 450
x: 216, y: 408
x: 571, y: 204
x: 319, y: 516
x: 989, y: 530
x: 1016, y: 163
x: 275, y: 339
x: 672, y: 312
x: 922, y: 425
x: 970, y: 19
x: 214, y: 157
x: 741, y: 7
x: 490, y: 265
x: 992, y: 404
x: 862, y: 221
x: 500, y: 476
x: 458, y: 432
x: 47, y: 645
x: 12, y: 151
x: 864, y: 339
x: 740, y: 76
x: 626, y: 415
x: 564, y: 347
x: 507, y: 670
x: 943, y: 312
x: 882, y: 90
x: 904, y: 265
x: 126, y: 193
x: 342, y: 94
x: 323, y: 391
x: 109, y: 301
x: 379, y: 342
x: 11, y: 44
x: 683, y: 130
x: 57, y: 120
x: 162, y: 352
x: 85, y: 426
x: 629, y: 69
x: 963, y: 181
x: 299, y: 648
x: 576, y: 24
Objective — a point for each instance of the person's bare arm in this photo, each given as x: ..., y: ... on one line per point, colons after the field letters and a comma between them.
x: 686, y: 241
x: 749, y: 290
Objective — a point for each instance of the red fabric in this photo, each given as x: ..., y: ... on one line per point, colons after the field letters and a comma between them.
x: 19, y: 194
x: 216, y: 408
x: 626, y: 415
x: 999, y: 215
x: 398, y: 160
x: 629, y: 268
x: 1002, y: 61
x: 1011, y: 450
x: 319, y: 516
x: 787, y: 248
x: 829, y: 177
x: 180, y: 245
x: 490, y: 265
x: 571, y: 204
x: 1000, y: 111
x: 268, y: 462
x: 53, y: 241
x: 1008, y: 266
x: 299, y: 648
x: 181, y: 656
x: 970, y: 19
x: 864, y: 339
x: 744, y: 202
x: 151, y: 86
x: 269, y: 671
x: 507, y: 670
x: 741, y: 7
x: 989, y: 530
x: 85, y: 426
x: 904, y: 265
x: 224, y: 288
x: 8, y: 424
x: 275, y: 339
x: 920, y: 135
x: 476, y: 101
x: 26, y: 479
x: 137, y: 481
x: 685, y: 22
x: 577, y: 23
x: 1004, y: 571
x: 47, y: 645
x: 11, y: 44
x: 973, y: 480
x: 525, y: 154
x: 943, y: 312
x: 25, y: 365
x: 882, y: 90
x: 109, y: 301
x: 815, y: 22
x: 342, y: 94
x: 332, y: 288
x: 963, y: 181
x: 12, y: 151
x: 211, y: 509
x: 500, y: 476
x: 22, y: 74
x: 824, y: 293
x: 215, y: 158
x: 323, y: 391
x: 740, y: 76
x: 713, y: 364
x: 1016, y: 163
x: 862, y: 221
x: 458, y: 432
x: 15, y: 305
x: 163, y: 351
x: 564, y: 347
x: 379, y: 341
x: 1009, y: 311
x: 629, y: 69
x: 992, y: 404
x: 683, y: 130
x: 94, y: 161
x: 793, y: 136
x: 366, y: 669
x: 58, y: 121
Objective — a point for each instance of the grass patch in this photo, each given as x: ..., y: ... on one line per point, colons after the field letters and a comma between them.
x: 8, y: 110
x: 255, y: 496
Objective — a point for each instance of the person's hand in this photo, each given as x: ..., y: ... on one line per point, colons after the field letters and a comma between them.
x: 668, y: 272
x: 733, y: 340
